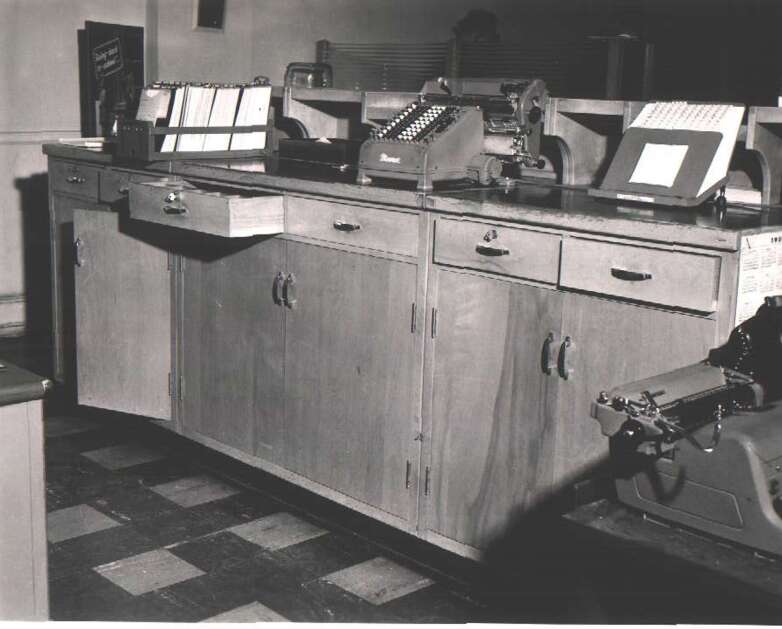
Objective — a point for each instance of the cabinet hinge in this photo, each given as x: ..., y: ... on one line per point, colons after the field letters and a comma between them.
x: 434, y: 322
x: 413, y: 319
x: 181, y: 391
x: 427, y: 476
x: 408, y: 469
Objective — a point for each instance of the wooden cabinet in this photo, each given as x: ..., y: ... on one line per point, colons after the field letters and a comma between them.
x: 350, y: 373
x: 492, y: 415
x: 608, y: 342
x: 123, y: 318
x: 232, y: 344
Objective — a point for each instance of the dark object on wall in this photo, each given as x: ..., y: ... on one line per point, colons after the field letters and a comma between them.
x: 111, y: 75
x: 210, y: 14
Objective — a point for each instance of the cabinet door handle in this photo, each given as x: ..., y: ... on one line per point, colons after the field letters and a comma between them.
x: 344, y: 226
x: 548, y: 360
x: 277, y: 288
x: 289, y: 291
x: 565, y: 359
x: 75, y: 179
x: 630, y: 276
x: 78, y: 252
x: 488, y: 250
x: 177, y: 210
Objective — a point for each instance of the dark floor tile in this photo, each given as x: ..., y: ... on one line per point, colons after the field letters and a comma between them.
x: 436, y: 604
x: 157, y: 607
x: 85, y: 595
x: 162, y: 471
x: 325, y: 554
x: 134, y: 502
x: 236, y: 509
x: 104, y: 546
x: 173, y: 528
x: 220, y: 551
x: 339, y: 605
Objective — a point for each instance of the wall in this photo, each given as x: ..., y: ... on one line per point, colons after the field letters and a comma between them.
x: 38, y: 70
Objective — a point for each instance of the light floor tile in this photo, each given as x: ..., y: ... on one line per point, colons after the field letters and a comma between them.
x: 76, y: 521
x: 195, y: 490
x: 124, y: 455
x: 378, y: 580
x: 254, y: 612
x: 277, y: 531
x: 60, y: 426
x: 148, y: 571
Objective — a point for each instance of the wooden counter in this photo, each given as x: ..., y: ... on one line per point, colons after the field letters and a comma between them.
x: 428, y: 360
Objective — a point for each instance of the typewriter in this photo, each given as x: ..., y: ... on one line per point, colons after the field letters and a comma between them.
x: 458, y: 129
x: 702, y: 445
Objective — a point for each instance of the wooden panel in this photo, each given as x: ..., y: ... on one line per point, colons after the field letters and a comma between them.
x: 350, y: 374
x: 684, y: 280
x: 76, y: 179
x: 114, y: 185
x: 615, y: 343
x: 383, y: 230
x: 23, y: 578
x: 233, y: 344
x: 231, y: 214
x: 499, y: 249
x: 123, y: 319
x: 492, y: 431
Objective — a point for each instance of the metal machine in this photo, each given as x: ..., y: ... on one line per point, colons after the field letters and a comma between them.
x: 702, y: 445
x: 457, y: 129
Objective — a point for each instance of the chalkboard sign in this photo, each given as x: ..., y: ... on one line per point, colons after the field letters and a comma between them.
x: 107, y: 58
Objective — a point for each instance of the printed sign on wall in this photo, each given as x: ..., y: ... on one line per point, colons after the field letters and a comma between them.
x: 107, y: 58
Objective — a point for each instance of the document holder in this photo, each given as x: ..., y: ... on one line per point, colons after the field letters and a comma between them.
x: 623, y: 182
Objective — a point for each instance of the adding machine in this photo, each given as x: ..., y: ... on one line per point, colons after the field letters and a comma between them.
x: 702, y: 445
x: 458, y: 129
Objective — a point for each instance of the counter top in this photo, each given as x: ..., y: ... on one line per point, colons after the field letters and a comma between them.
x: 19, y: 385
x: 521, y: 201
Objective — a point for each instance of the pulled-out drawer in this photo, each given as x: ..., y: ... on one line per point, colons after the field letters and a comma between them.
x: 384, y: 230
x: 512, y: 251
x: 228, y: 213
x: 76, y: 179
x: 670, y: 278
x: 114, y: 185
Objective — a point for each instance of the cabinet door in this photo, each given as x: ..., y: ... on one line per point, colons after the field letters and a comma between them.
x: 123, y: 318
x: 350, y: 373
x: 491, y: 416
x: 613, y: 343
x: 232, y: 344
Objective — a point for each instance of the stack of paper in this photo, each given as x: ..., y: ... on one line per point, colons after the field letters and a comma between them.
x: 253, y: 110
x: 223, y: 115
x: 196, y: 111
x: 174, y: 118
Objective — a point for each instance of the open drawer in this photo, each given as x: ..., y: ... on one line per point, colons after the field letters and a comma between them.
x: 229, y: 213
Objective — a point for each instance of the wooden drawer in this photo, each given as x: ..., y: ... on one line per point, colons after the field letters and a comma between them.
x: 75, y: 179
x: 385, y: 230
x: 499, y: 249
x: 114, y: 185
x: 670, y: 278
x: 228, y: 213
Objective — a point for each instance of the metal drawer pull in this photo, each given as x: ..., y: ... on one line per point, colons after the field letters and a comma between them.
x: 175, y: 209
x: 277, y: 288
x: 630, y: 276
x: 547, y: 359
x: 565, y: 359
x: 342, y: 226
x: 488, y: 250
x: 78, y: 252
x: 289, y: 291
x: 75, y: 179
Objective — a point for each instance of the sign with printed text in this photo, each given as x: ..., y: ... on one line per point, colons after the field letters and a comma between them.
x: 107, y: 58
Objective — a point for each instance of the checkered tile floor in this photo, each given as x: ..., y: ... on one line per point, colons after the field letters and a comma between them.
x: 140, y: 533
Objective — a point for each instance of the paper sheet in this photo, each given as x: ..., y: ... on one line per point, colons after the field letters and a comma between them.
x: 659, y: 164
x: 760, y: 272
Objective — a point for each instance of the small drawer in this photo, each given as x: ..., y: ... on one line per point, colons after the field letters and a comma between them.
x: 114, y: 185
x: 384, y: 230
x: 228, y: 213
x: 75, y: 179
x: 499, y: 249
x: 670, y: 278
